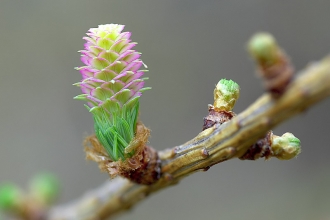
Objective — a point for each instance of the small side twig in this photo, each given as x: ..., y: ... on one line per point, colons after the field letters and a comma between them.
x: 212, y: 146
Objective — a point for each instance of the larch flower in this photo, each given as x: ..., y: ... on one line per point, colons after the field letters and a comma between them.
x: 112, y: 84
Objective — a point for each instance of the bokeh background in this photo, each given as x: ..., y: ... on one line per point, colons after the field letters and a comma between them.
x: 188, y: 46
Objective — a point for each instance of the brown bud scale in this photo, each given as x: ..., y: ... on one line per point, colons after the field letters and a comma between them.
x: 278, y: 75
x: 262, y: 148
x: 216, y: 116
x: 149, y: 171
x: 144, y: 167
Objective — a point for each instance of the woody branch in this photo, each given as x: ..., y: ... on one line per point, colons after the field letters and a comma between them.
x: 212, y: 146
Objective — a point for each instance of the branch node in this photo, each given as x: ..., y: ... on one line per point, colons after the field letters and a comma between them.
x: 168, y: 177
x: 206, y: 168
x: 205, y: 153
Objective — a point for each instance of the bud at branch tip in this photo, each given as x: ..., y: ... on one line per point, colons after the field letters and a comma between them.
x: 286, y: 147
x: 226, y: 93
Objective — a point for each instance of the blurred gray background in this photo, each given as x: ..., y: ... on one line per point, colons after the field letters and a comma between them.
x: 188, y: 46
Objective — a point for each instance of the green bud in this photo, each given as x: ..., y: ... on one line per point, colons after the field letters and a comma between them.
x: 10, y: 196
x: 286, y: 147
x: 263, y: 48
x: 45, y: 187
x: 225, y: 94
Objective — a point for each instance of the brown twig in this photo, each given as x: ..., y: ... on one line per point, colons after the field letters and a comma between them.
x: 212, y: 146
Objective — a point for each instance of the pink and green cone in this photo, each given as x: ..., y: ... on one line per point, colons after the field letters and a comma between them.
x: 112, y: 84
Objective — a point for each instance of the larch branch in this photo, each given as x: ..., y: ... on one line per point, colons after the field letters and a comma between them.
x: 214, y: 145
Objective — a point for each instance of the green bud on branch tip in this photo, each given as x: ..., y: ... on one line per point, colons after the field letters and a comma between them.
x: 286, y: 147
x: 45, y: 187
x: 10, y: 196
x: 226, y: 93
x: 263, y: 47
